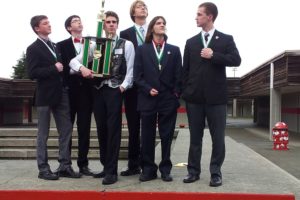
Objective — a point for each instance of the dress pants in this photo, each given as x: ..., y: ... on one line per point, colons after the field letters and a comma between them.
x: 108, y: 116
x: 216, y: 119
x: 133, y: 121
x: 61, y: 114
x: 81, y: 106
x: 165, y: 116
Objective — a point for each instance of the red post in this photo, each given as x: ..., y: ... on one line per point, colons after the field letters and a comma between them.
x: 280, y: 136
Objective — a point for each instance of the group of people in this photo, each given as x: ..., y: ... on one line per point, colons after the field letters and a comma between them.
x: 147, y: 75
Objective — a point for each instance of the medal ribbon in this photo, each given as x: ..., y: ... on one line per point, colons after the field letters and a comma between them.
x: 160, y: 54
x: 53, y: 53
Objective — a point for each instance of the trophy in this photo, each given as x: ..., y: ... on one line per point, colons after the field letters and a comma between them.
x: 102, y: 53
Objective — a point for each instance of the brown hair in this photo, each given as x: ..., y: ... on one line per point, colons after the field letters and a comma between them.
x: 112, y: 14
x: 132, y: 8
x: 36, y: 20
x: 149, y: 35
x: 210, y: 9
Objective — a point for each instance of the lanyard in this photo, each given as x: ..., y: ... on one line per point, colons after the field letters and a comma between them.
x: 160, y: 54
x: 139, y: 34
x: 203, y: 41
x: 53, y: 53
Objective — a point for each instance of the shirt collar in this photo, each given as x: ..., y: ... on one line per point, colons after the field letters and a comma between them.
x: 145, y: 27
x: 161, y: 43
x: 211, y: 33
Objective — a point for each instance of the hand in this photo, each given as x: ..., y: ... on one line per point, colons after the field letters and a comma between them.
x: 59, y: 66
x: 153, y: 92
x: 122, y: 89
x: 85, y: 72
x: 207, y: 53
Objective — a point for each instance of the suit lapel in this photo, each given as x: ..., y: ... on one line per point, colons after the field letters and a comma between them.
x: 70, y: 46
x: 133, y: 36
x: 214, y: 39
x: 166, y: 55
x: 44, y: 47
x: 152, y: 54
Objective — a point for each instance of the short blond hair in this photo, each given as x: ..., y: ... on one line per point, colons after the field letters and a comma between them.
x: 132, y: 8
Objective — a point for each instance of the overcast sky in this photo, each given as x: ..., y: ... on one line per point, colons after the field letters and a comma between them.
x: 261, y: 28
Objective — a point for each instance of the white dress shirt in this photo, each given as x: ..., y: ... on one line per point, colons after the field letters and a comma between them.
x: 211, y: 33
x: 76, y: 62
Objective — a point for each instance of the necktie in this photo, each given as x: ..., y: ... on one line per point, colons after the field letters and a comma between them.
x: 142, y: 32
x: 158, y: 48
x: 206, y: 35
x: 50, y: 45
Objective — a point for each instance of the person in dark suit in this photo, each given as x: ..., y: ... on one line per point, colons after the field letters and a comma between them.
x: 80, y: 90
x: 206, y: 56
x: 157, y: 69
x: 44, y: 66
x: 135, y: 34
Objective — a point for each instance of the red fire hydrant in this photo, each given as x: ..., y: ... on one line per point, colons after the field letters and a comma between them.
x: 280, y: 136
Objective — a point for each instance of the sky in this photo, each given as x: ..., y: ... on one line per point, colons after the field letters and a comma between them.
x: 261, y: 29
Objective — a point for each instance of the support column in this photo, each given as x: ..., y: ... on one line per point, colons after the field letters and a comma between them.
x: 234, y: 108
x: 25, y: 111
x: 275, y: 102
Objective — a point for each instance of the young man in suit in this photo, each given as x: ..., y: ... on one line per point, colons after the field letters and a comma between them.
x: 206, y: 56
x: 157, y: 69
x: 135, y: 34
x: 80, y: 90
x: 43, y: 62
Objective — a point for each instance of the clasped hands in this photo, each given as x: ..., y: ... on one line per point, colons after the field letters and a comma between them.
x: 206, y: 53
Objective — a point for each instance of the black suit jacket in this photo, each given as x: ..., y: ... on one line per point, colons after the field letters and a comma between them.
x: 130, y: 34
x: 147, y: 74
x: 204, y: 80
x: 67, y: 52
x: 41, y: 67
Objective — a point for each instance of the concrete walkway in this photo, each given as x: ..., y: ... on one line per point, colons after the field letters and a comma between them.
x: 244, y: 171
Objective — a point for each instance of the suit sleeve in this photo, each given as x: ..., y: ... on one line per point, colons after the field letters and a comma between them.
x: 36, y: 69
x: 178, y: 73
x: 230, y: 57
x: 138, y: 72
x: 123, y: 35
x: 186, y: 65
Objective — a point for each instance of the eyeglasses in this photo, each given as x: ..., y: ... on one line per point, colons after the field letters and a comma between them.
x: 75, y: 20
x: 111, y: 22
x: 141, y: 6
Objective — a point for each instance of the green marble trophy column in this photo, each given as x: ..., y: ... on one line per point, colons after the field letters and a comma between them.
x: 101, y: 63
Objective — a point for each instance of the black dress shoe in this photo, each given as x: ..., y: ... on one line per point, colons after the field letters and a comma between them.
x: 48, y: 175
x: 215, y: 181
x: 68, y: 173
x: 99, y: 175
x: 109, y: 179
x: 86, y: 171
x: 190, y: 178
x: 166, y: 177
x: 130, y: 172
x: 147, y: 177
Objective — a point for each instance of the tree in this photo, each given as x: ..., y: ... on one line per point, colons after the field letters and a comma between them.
x: 20, y: 71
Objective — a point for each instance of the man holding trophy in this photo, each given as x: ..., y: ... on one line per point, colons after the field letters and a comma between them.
x: 108, y: 93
